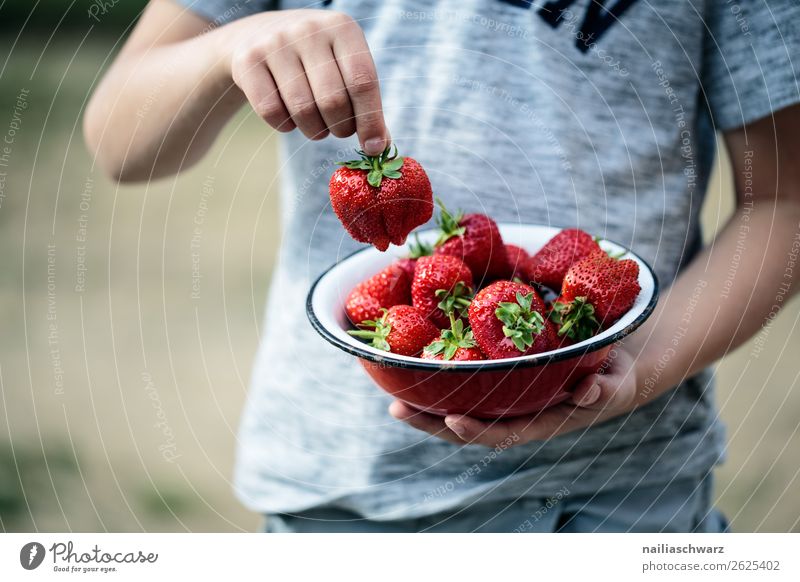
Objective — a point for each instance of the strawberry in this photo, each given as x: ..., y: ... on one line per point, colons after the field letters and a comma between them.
x: 392, y: 286
x: 380, y: 199
x: 597, y: 291
x: 417, y: 249
x: 455, y: 343
x: 408, y: 265
x: 475, y: 239
x: 550, y: 264
x: 441, y: 284
x: 507, y: 320
x: 517, y: 259
x: 402, y: 330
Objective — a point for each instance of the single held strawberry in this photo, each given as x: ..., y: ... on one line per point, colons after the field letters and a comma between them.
x: 380, y: 199
x: 392, y: 286
x: 597, y: 291
x: 455, y: 343
x: 401, y: 329
x: 442, y: 284
x: 508, y: 320
x: 549, y: 266
x: 517, y: 259
x: 476, y: 240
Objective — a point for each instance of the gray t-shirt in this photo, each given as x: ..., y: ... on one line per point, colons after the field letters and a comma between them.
x: 551, y: 112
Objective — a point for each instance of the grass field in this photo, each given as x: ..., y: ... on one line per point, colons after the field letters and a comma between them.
x: 122, y: 374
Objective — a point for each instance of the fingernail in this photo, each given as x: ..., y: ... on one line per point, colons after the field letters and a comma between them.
x: 456, y: 427
x: 592, y: 395
x: 374, y: 145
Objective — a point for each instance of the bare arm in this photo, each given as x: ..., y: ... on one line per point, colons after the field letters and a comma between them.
x: 738, y: 279
x: 727, y: 293
x: 178, y: 80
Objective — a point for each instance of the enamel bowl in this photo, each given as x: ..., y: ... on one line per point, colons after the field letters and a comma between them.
x: 484, y: 389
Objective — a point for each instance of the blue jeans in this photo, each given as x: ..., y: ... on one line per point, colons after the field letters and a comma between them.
x: 683, y: 505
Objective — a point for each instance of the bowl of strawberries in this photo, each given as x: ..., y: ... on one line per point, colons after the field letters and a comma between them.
x: 483, y: 318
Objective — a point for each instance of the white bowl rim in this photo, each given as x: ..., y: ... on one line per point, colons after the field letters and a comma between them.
x: 393, y: 360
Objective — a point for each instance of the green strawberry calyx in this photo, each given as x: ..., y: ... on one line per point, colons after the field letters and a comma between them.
x: 521, y: 323
x: 386, y: 165
x: 455, y: 300
x: 451, y: 340
x: 575, y: 318
x: 418, y: 248
x: 448, y: 224
x: 378, y: 334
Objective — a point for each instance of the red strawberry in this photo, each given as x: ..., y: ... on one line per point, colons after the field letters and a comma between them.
x: 408, y: 265
x: 476, y: 240
x: 507, y: 320
x: 441, y: 284
x: 517, y: 259
x: 550, y: 264
x: 380, y: 199
x: 417, y: 249
x: 597, y: 291
x: 390, y: 287
x: 455, y: 344
x: 401, y: 329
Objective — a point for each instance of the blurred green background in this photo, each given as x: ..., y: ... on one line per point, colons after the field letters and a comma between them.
x: 121, y: 391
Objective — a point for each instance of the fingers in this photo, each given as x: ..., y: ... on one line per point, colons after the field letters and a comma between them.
x: 317, y: 75
x: 328, y: 88
x: 257, y: 84
x: 422, y: 421
x: 290, y: 76
x: 492, y: 433
x: 361, y: 81
x: 587, y: 392
x: 614, y: 390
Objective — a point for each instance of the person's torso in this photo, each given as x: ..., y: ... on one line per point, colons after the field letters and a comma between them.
x: 559, y: 113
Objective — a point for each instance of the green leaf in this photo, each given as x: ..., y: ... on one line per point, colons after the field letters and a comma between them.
x: 456, y: 299
x: 378, y: 334
x: 375, y: 177
x: 386, y: 165
x: 576, y: 319
x: 520, y: 322
x: 357, y: 165
x: 419, y: 249
x: 393, y: 165
x: 448, y: 224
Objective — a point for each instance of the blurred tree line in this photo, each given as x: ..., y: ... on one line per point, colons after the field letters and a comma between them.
x: 48, y: 16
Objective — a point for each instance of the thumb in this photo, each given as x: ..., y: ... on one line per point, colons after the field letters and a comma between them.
x: 587, y: 392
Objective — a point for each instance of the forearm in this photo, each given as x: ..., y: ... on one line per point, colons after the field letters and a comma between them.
x: 724, y: 296
x: 159, y: 110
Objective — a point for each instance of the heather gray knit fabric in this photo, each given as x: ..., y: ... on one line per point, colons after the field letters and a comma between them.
x: 553, y: 112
